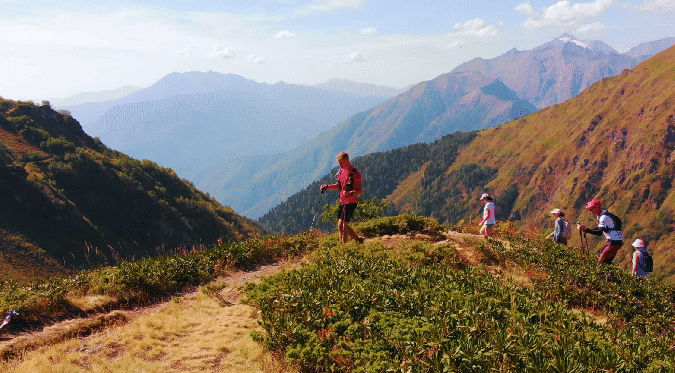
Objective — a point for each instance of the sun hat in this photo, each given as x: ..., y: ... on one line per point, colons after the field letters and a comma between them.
x: 556, y: 211
x: 485, y: 195
x: 639, y: 243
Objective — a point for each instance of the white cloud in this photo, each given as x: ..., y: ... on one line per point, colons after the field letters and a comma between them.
x: 329, y: 6
x: 369, y: 31
x: 455, y: 44
x: 356, y: 57
x: 526, y: 9
x: 285, y: 35
x: 474, y: 27
x: 657, y: 5
x: 255, y: 59
x: 592, y: 27
x: 564, y: 13
x: 187, y: 51
x: 220, y: 53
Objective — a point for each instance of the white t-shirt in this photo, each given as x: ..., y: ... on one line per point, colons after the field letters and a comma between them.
x: 489, y: 209
x: 606, y: 221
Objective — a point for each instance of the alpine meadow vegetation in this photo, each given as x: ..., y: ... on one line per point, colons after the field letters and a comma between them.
x: 420, y: 308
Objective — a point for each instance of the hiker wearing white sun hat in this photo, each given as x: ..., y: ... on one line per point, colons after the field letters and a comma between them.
x: 562, y: 230
x: 488, y: 221
x: 640, y: 266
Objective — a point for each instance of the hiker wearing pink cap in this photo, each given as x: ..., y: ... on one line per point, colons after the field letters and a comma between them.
x: 609, y: 225
x: 488, y: 221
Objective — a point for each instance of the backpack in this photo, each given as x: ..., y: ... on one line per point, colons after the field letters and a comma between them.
x: 615, y: 219
x: 567, y: 229
x: 648, y: 260
x: 349, y: 185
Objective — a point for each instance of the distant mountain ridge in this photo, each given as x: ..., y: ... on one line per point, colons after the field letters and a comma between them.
x: 648, y: 49
x: 553, y: 72
x: 101, y: 96
x: 187, y: 117
x: 364, y: 89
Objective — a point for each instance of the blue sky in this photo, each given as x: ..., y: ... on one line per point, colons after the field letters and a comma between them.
x: 59, y: 48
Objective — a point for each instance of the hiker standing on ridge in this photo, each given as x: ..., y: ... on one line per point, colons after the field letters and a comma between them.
x: 608, y: 225
x: 488, y: 221
x: 559, y: 233
x: 349, y: 185
x: 639, y: 258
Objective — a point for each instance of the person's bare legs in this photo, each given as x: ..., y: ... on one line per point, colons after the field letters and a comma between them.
x: 485, y: 230
x: 346, y: 231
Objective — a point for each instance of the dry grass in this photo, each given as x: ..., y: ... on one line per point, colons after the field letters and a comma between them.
x: 90, y: 302
x: 191, y: 334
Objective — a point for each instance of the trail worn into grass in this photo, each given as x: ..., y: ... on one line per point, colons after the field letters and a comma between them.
x: 194, y: 331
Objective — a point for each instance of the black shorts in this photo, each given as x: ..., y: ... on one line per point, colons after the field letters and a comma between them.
x: 345, y: 212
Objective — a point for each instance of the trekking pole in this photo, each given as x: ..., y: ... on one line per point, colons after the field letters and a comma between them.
x: 314, y: 213
x: 584, y: 240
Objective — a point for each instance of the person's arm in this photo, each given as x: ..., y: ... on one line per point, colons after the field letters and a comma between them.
x: 636, y: 262
x: 597, y: 231
x: 335, y: 186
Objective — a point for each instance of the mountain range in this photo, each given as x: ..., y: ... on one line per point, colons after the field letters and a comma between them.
x: 69, y: 202
x: 208, y: 125
x: 615, y: 141
x: 475, y: 95
x: 188, y: 121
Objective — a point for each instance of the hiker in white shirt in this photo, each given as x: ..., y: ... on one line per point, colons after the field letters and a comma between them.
x: 488, y: 221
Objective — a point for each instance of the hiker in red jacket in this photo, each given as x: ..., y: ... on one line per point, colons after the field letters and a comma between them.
x: 349, y: 185
x: 608, y: 225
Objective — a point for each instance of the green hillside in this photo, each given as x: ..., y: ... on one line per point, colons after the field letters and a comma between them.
x: 69, y: 202
x: 614, y: 141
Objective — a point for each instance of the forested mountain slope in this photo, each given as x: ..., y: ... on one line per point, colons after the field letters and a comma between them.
x: 70, y: 202
x: 399, y: 170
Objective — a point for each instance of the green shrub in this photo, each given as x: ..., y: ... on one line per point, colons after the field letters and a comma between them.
x: 58, y: 146
x: 401, y: 224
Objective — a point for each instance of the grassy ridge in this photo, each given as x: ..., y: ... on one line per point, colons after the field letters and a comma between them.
x: 142, y: 280
x: 420, y: 308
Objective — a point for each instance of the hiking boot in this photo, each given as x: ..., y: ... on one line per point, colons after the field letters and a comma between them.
x: 360, y: 239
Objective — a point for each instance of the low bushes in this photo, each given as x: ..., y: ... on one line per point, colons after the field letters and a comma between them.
x: 401, y: 224
x: 146, y: 278
x: 371, y: 309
